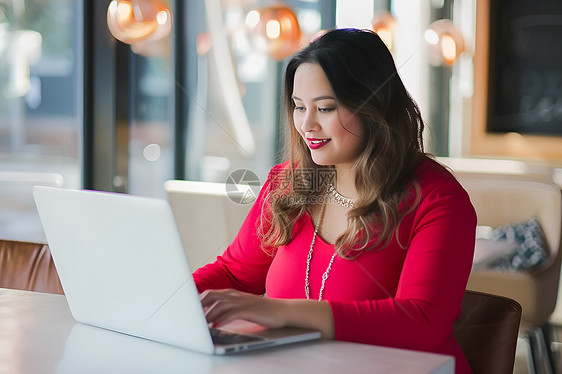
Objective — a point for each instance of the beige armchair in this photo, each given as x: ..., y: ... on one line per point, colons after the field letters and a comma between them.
x: 498, y: 201
x: 198, y: 204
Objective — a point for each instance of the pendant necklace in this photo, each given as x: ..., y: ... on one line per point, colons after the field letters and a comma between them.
x: 309, y: 258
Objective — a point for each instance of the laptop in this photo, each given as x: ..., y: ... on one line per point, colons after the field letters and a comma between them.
x: 122, y: 267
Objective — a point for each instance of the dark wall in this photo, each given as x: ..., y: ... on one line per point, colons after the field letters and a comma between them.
x: 525, y: 87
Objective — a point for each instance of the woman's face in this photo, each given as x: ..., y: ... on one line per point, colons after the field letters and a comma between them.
x: 334, y: 135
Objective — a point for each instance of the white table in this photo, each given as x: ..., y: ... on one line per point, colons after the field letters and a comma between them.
x: 39, y: 335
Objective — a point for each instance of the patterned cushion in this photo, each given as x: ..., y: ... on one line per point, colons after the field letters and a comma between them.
x: 531, y: 250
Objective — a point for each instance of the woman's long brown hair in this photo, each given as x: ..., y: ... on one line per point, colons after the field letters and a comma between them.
x: 364, y: 80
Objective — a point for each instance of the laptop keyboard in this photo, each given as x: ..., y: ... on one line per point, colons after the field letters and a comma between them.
x: 221, y: 337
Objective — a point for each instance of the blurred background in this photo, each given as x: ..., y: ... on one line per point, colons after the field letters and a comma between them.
x: 123, y: 95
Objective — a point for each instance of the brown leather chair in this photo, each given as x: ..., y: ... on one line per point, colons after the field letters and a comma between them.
x: 28, y: 266
x: 487, y: 332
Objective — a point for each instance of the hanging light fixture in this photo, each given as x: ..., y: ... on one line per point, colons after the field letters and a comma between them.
x: 138, y: 21
x: 383, y: 24
x: 274, y: 29
x: 445, y: 42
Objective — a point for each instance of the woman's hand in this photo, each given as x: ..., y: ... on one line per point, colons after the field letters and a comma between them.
x: 224, y: 306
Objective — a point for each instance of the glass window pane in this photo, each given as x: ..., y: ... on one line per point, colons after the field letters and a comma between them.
x: 40, y: 102
x: 235, y: 112
x: 151, y: 147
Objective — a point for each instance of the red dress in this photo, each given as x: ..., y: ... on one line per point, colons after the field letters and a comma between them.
x: 406, y: 295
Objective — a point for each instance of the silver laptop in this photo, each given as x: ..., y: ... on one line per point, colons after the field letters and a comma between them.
x: 122, y: 266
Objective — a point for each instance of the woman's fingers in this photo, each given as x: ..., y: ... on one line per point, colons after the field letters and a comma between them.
x: 221, y: 312
x: 223, y: 306
x: 209, y: 297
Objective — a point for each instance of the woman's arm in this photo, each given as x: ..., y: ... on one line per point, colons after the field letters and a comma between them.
x: 432, y: 281
x: 223, y: 306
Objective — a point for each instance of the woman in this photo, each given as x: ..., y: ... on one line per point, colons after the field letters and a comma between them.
x: 358, y: 234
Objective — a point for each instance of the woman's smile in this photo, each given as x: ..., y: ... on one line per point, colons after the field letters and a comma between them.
x: 314, y: 143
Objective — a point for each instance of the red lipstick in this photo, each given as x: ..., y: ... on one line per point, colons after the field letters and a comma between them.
x: 314, y: 143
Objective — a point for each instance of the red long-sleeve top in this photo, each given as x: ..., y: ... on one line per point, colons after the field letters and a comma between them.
x: 406, y: 295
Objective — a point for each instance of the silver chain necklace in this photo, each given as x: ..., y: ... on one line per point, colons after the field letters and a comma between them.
x: 309, y: 258
x: 340, y: 199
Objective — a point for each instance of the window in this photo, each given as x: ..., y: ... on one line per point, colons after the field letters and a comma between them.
x: 40, y: 103
x: 235, y: 107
